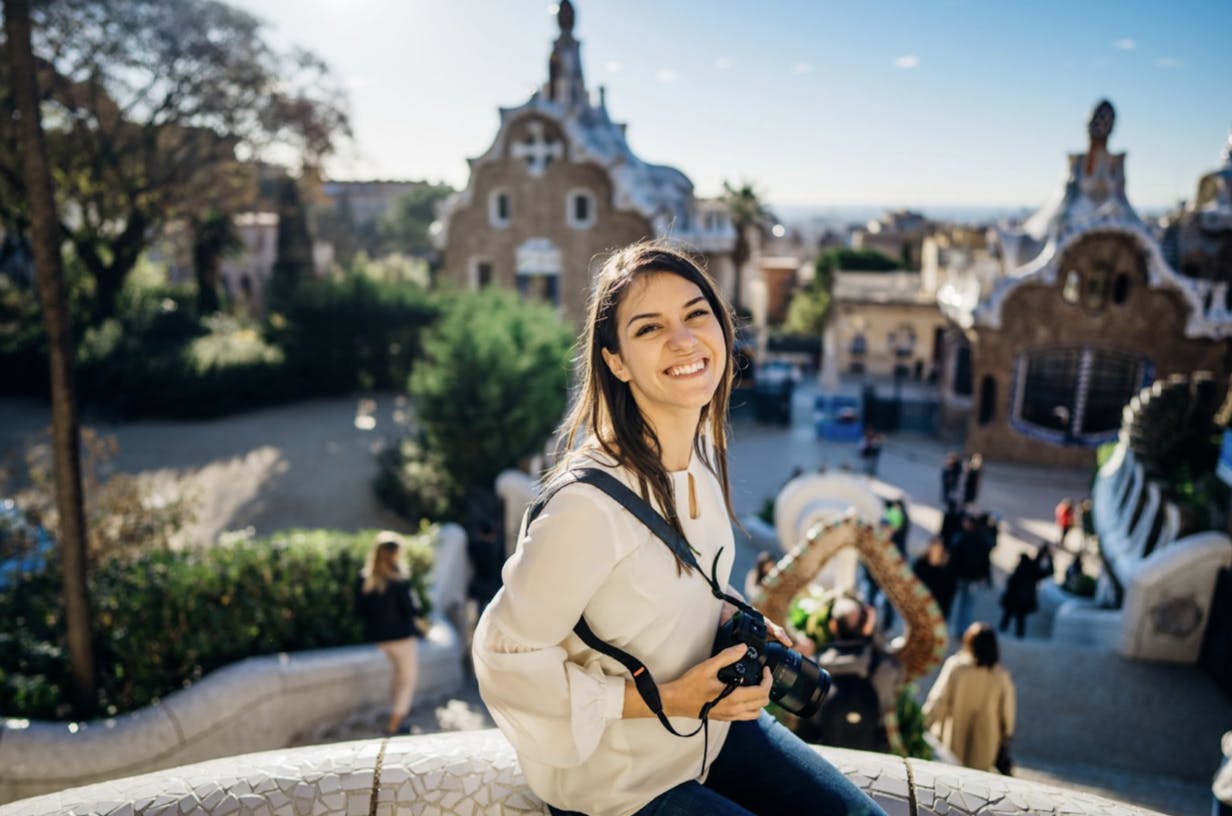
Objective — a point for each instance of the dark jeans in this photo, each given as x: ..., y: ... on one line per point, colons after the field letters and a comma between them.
x: 763, y: 770
x: 1020, y: 622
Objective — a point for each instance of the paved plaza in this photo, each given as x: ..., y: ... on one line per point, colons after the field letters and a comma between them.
x: 1143, y: 733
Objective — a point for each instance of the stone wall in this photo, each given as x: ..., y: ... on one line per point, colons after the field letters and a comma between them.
x: 467, y: 774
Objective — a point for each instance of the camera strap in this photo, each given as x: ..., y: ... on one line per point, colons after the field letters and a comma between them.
x: 619, y: 492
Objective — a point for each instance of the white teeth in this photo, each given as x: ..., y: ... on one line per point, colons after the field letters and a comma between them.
x: 680, y: 371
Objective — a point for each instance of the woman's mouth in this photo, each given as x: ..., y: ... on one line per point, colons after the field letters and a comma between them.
x: 688, y: 369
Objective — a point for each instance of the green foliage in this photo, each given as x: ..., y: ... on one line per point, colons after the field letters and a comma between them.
x: 353, y: 333
x: 809, y: 614
x: 807, y: 311
x: 855, y: 260
x: 493, y: 385
x: 911, y: 723
x: 766, y: 513
x: 165, y: 619
x: 415, y: 483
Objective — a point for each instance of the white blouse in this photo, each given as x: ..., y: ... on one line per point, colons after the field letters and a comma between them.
x: 559, y: 702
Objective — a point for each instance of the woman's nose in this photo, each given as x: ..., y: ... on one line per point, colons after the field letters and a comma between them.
x: 682, y: 337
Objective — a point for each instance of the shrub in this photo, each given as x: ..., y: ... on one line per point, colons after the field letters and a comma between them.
x: 165, y: 619
x: 352, y: 333
x: 414, y: 482
x: 911, y: 723
x: 493, y: 385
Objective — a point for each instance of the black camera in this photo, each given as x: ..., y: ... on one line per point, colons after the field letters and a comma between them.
x: 797, y: 683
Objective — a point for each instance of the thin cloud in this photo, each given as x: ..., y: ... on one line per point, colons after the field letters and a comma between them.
x: 666, y: 75
x: 907, y: 61
x: 722, y: 63
x: 1169, y: 63
x: 801, y: 68
x: 613, y: 67
x: 1125, y: 44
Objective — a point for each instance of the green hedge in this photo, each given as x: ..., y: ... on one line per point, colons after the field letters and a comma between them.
x: 166, y: 619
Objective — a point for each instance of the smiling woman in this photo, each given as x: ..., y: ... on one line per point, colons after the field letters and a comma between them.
x: 656, y: 374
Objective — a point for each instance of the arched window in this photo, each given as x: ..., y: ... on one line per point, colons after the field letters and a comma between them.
x: 962, y: 371
x: 500, y: 209
x: 580, y: 209
x: 1120, y: 289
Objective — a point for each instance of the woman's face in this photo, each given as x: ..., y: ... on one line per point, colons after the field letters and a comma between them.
x: 672, y: 351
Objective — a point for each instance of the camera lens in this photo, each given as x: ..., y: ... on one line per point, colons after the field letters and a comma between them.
x: 799, y: 684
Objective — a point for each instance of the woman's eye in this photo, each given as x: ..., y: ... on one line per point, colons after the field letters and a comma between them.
x: 645, y: 328
x: 698, y: 313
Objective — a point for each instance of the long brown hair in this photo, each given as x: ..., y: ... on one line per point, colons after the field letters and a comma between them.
x: 603, y: 406
x: 384, y: 562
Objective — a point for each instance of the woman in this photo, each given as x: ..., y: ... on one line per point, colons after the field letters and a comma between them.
x: 386, y: 603
x: 654, y: 382
x: 935, y: 571
x: 971, y: 707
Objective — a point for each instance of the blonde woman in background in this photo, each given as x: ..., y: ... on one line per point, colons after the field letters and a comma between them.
x: 390, y: 612
x: 972, y: 706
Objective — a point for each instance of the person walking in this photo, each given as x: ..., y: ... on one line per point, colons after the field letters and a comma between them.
x: 951, y: 476
x: 870, y: 449
x: 1064, y: 515
x: 971, y: 479
x: 392, y: 619
x: 655, y: 378
x: 972, y: 566
x: 972, y: 706
x: 936, y: 572
x: 1019, y: 598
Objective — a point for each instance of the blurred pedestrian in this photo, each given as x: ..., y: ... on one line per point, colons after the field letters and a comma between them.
x: 1086, y: 512
x: 1064, y: 515
x: 870, y: 449
x: 1221, y: 786
x: 972, y: 706
x: 392, y: 618
x: 972, y: 567
x: 951, y: 476
x: 935, y: 571
x: 1019, y: 598
x: 971, y: 479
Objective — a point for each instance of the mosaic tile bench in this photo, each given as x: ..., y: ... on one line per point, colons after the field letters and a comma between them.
x: 474, y: 773
x: 257, y: 704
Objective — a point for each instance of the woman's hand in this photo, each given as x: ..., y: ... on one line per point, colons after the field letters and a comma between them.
x: 685, y: 696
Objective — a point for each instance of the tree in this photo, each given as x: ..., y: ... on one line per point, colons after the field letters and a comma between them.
x: 53, y: 293
x: 293, y: 253
x: 214, y: 237
x: 747, y: 212
x: 149, y: 105
x: 405, y: 227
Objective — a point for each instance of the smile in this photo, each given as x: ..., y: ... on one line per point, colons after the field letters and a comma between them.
x: 687, y: 369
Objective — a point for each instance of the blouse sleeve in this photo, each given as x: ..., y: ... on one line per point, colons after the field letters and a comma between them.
x: 1009, y: 707
x: 553, y: 710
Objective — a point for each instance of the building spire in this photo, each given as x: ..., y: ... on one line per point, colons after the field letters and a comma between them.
x: 566, y: 85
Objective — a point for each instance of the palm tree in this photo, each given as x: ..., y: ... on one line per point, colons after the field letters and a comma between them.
x: 53, y: 293
x: 747, y: 212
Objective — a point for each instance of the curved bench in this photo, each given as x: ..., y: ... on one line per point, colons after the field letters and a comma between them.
x: 475, y: 773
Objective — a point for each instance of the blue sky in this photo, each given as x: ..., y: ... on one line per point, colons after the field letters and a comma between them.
x: 933, y: 102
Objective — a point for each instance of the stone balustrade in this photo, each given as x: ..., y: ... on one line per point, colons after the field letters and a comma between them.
x: 476, y: 773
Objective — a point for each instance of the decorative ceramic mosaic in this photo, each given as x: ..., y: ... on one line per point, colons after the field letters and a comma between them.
x: 477, y: 774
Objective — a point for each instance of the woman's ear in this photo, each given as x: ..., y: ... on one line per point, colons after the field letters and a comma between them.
x: 615, y: 365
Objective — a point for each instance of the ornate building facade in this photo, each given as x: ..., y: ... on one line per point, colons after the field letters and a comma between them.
x: 560, y: 187
x: 1085, y: 312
